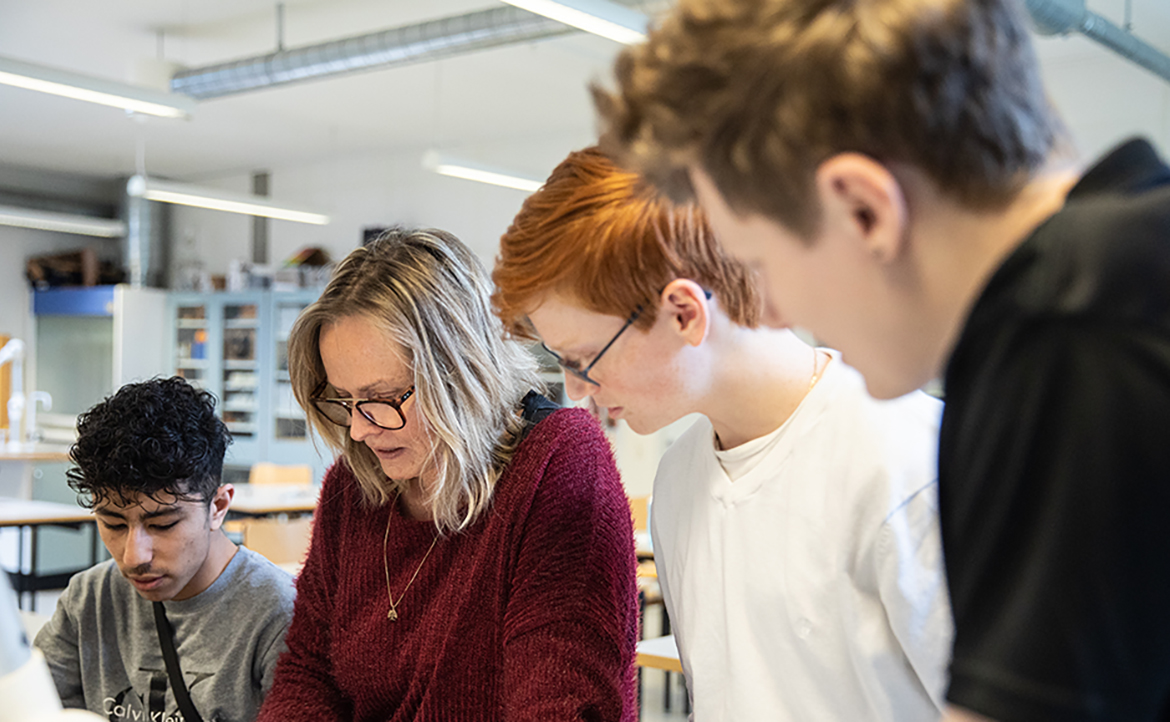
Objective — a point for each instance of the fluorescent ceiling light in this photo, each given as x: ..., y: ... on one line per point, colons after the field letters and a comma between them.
x: 94, y: 90
x: 457, y: 168
x: 214, y: 199
x: 63, y: 222
x: 600, y: 17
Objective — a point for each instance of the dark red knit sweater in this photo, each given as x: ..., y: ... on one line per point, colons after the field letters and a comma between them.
x: 529, y: 615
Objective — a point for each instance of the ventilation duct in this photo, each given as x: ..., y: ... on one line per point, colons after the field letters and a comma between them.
x: 430, y: 40
x: 1059, y: 17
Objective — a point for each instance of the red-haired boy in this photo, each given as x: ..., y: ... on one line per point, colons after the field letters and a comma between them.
x: 795, y: 526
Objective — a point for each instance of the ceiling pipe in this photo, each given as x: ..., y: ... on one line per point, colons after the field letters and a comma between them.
x: 1060, y: 17
x: 431, y: 40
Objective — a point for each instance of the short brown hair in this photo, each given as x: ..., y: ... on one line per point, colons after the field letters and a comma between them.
x: 604, y: 238
x: 758, y: 93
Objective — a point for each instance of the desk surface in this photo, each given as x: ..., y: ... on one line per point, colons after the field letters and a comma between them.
x: 260, y: 499
x: 34, y: 452
x: 22, y: 512
x: 659, y: 653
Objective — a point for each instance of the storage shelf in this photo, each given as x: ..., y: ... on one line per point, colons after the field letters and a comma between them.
x: 246, y: 342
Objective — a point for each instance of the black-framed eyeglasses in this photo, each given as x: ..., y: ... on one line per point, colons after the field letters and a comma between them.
x: 583, y: 373
x: 383, y: 413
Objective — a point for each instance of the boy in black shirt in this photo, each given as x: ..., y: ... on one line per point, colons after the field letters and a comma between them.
x: 892, y: 169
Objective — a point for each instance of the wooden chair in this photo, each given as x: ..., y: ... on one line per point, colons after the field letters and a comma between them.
x: 264, y: 472
x: 282, y: 541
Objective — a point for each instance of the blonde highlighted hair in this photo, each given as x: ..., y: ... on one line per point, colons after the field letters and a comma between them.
x: 430, y: 294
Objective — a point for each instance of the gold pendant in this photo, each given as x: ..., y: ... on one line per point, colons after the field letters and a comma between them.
x: 392, y: 615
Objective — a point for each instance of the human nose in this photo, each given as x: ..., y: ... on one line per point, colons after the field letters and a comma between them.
x: 577, y: 388
x: 139, y: 548
x: 361, y: 428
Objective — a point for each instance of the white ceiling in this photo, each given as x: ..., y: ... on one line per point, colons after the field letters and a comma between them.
x: 517, y: 94
x: 527, y: 91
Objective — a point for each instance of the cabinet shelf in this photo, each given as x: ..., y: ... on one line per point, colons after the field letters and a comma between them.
x: 245, y: 337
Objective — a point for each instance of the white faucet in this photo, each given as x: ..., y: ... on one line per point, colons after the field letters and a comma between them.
x: 35, y: 434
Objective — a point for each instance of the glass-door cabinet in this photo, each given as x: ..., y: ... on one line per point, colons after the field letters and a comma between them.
x: 235, y: 345
x: 217, y: 345
x: 289, y: 433
x: 242, y: 392
x: 192, y: 342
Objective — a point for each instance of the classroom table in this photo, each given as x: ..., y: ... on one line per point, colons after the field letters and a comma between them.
x: 659, y: 653
x: 271, y: 499
x: 32, y: 515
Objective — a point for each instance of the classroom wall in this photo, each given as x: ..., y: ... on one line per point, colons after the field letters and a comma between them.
x: 378, y: 189
x: 1104, y: 98
x: 16, y: 246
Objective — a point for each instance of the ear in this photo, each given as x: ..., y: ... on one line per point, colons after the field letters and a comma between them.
x: 220, y: 504
x: 864, y: 198
x: 685, y: 303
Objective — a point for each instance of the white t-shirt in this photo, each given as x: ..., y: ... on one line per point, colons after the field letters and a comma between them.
x: 811, y: 587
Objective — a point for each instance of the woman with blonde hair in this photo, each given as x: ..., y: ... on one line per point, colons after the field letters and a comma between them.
x: 472, y: 553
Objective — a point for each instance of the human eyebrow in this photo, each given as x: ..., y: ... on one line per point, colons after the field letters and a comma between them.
x: 166, y: 511
x: 109, y: 514
x: 375, y: 390
x: 378, y: 390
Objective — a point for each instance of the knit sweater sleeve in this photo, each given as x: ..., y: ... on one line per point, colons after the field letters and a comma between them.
x: 571, y: 621
x: 304, y: 687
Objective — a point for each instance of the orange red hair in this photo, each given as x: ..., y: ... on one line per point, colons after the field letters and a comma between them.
x: 601, y: 237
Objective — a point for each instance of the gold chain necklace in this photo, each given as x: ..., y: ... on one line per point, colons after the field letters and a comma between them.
x: 392, y: 615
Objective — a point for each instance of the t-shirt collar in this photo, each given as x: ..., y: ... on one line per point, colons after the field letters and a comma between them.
x: 1131, y: 167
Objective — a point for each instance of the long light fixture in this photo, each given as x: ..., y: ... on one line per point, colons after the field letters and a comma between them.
x: 600, y: 17
x: 188, y: 195
x: 94, y: 90
x: 468, y: 170
x: 63, y: 222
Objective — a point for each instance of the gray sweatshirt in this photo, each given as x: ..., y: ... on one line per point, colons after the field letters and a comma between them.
x: 103, y: 650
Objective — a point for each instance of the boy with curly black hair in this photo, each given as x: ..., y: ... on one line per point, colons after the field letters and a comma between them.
x: 149, y: 461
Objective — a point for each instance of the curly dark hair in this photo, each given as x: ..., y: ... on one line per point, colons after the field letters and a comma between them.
x: 157, y: 436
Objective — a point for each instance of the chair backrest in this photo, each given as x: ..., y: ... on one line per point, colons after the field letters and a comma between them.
x: 264, y: 472
x: 640, y: 508
x: 283, y: 541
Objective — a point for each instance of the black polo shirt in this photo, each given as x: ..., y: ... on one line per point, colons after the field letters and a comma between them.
x: 1054, y: 462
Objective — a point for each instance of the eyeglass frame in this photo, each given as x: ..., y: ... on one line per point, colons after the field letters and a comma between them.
x: 583, y: 374
x: 349, y: 404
